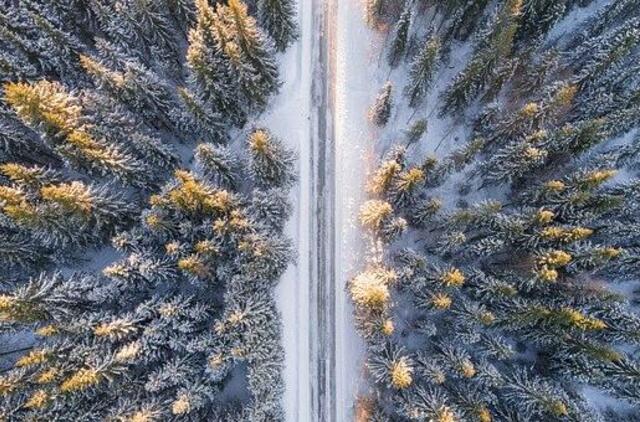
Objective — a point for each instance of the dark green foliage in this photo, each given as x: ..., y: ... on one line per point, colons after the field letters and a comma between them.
x: 380, y: 112
x: 490, y: 59
x: 422, y: 71
x: 277, y: 17
x: 538, y: 16
x: 140, y: 292
x: 416, y: 131
x: 400, y: 38
x: 502, y: 299
x: 464, y: 17
x: 271, y: 161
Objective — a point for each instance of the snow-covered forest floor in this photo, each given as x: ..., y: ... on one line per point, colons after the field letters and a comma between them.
x: 355, y: 80
x: 445, y: 134
x: 290, y: 118
x: 464, y: 225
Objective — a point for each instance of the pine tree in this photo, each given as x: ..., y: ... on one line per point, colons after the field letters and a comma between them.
x: 270, y: 208
x: 422, y: 71
x: 218, y: 164
x: 465, y: 17
x: 374, y: 214
x: 516, y: 160
x: 255, y: 52
x: 370, y: 289
x: 34, y: 33
x: 538, y: 16
x: 599, y: 54
x: 416, y: 131
x: 94, y: 105
x: 277, y: 17
x: 406, y: 186
x: 392, y: 368
x: 381, y: 109
x: 199, y: 119
x: 400, y: 38
x: 271, y: 162
x: 495, y: 48
x: 48, y: 107
x: 210, y: 70
x: 538, y: 73
x: 536, y: 398
x: 144, y: 27
x: 138, y: 87
x: 65, y: 214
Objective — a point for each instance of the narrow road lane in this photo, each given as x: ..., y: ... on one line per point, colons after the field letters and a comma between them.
x: 321, y: 112
x: 355, y: 79
x: 292, y: 118
x: 323, y: 293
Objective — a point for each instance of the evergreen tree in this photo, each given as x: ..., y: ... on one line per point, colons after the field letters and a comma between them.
x: 93, y: 104
x: 422, y: 71
x: 493, y: 52
x: 277, y: 17
x: 271, y: 162
x: 416, y: 131
x: 400, y: 38
x: 211, y: 73
x: 516, y: 160
x: 538, y: 16
x: 465, y: 17
x: 138, y: 87
x: 48, y: 107
x: 144, y: 27
x: 254, y: 52
x: 496, y: 274
x: 199, y: 119
x: 381, y: 109
x: 218, y: 164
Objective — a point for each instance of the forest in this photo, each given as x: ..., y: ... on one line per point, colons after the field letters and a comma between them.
x: 502, y: 285
x: 153, y: 202
x: 141, y: 210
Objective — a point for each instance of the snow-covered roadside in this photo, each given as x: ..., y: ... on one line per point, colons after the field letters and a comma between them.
x: 356, y: 79
x: 289, y: 119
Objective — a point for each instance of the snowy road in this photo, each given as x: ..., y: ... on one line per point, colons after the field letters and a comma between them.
x: 321, y: 113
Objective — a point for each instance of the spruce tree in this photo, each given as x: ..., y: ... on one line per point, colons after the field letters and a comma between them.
x: 271, y: 161
x: 255, y: 51
x: 422, y: 71
x: 381, y: 109
x: 210, y: 70
x: 277, y: 17
x: 416, y: 130
x: 465, y: 17
x: 494, y: 50
x: 48, y: 107
x: 400, y: 38
x: 218, y: 164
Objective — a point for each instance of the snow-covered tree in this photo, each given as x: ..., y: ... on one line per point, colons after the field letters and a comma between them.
x: 271, y: 161
x: 422, y: 71
x: 278, y: 18
x: 400, y: 38
x: 380, y: 111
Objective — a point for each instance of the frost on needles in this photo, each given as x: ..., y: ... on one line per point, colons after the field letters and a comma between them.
x: 138, y: 257
x: 502, y: 282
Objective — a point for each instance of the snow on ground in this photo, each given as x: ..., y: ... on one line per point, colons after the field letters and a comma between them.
x: 356, y: 79
x: 289, y: 119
